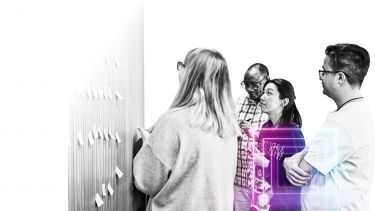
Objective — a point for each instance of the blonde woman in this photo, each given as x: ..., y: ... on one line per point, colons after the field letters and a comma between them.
x: 188, y: 162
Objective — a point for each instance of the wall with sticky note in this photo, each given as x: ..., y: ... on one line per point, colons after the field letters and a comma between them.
x: 105, y: 109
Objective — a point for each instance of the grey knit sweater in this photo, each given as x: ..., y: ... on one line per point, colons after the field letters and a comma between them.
x: 185, y: 168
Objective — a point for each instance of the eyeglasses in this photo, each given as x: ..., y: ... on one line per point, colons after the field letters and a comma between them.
x: 323, y: 72
x: 180, y: 66
x: 253, y: 85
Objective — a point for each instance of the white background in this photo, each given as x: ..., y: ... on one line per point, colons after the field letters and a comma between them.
x: 47, y: 48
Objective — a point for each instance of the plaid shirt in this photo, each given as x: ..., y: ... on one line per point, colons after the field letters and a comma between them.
x: 249, y: 112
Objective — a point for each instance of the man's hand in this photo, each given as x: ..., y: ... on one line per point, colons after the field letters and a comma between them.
x: 296, y: 175
x: 245, y: 124
x: 259, y: 158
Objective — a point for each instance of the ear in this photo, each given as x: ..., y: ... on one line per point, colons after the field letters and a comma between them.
x: 285, y: 101
x: 341, y: 78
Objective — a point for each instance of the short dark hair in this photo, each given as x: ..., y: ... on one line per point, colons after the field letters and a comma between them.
x: 261, y: 67
x: 351, y: 59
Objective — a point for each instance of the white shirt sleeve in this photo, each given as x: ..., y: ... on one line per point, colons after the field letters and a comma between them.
x: 331, y: 145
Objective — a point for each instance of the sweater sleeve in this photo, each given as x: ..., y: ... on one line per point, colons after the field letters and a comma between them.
x: 154, y: 162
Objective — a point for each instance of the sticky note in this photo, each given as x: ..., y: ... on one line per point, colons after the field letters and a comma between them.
x: 117, y: 63
x: 98, y: 200
x: 80, y: 138
x: 95, y: 132
x: 91, y: 139
x: 88, y: 91
x: 100, y: 131
x: 105, y: 92
x: 110, y: 96
x: 81, y: 93
x: 94, y: 92
x: 118, y: 172
x: 118, y: 96
x: 106, y: 136
x: 100, y: 92
x: 111, y: 135
x: 110, y: 189
x: 104, y: 190
x: 118, y: 138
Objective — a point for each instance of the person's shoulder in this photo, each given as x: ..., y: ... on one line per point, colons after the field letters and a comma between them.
x: 353, y: 115
x: 267, y: 124
x: 294, y: 126
x: 242, y: 99
x: 361, y: 106
x: 356, y: 111
x: 173, y: 116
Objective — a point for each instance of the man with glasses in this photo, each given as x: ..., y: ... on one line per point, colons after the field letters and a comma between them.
x: 251, y: 118
x: 336, y: 169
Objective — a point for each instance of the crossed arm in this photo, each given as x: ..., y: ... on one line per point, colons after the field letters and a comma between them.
x: 298, y: 171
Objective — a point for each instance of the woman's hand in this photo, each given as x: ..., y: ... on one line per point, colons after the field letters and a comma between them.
x: 144, y: 133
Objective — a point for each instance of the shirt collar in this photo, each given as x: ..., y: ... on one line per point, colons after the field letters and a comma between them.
x: 251, y: 101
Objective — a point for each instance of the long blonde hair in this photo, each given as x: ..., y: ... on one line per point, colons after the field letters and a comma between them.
x: 206, y: 90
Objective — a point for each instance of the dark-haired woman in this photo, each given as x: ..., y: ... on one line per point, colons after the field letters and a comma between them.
x: 280, y: 137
